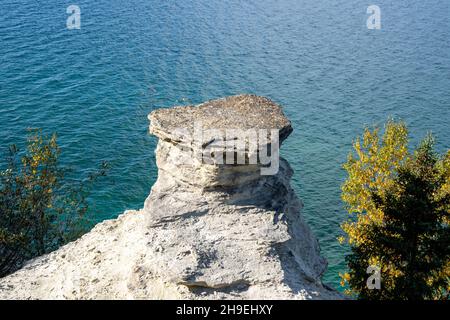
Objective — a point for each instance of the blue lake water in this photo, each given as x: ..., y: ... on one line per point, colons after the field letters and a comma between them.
x: 95, y: 86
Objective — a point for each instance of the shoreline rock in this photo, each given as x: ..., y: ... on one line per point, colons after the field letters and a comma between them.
x: 207, y: 230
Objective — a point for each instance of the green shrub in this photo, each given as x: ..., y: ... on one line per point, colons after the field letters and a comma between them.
x: 40, y: 209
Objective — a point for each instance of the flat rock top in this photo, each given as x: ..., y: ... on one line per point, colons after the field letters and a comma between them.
x: 235, y: 112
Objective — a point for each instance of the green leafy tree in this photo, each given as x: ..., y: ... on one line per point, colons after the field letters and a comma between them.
x: 400, y: 206
x: 40, y: 209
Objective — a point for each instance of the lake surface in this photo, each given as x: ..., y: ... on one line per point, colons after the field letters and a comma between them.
x: 95, y: 86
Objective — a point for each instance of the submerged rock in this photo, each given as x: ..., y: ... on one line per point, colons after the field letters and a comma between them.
x: 210, y: 229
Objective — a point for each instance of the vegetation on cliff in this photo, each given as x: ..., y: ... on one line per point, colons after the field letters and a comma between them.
x: 40, y: 208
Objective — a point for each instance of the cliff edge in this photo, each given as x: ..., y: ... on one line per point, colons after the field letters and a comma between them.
x: 221, y: 221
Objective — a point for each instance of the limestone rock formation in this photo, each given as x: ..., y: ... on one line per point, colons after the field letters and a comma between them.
x: 208, y: 230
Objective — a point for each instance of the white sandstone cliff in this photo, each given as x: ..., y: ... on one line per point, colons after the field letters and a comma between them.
x: 207, y: 231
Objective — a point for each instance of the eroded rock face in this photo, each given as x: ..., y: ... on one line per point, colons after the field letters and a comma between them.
x: 207, y: 230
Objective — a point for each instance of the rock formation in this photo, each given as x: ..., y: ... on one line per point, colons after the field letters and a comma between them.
x: 210, y: 229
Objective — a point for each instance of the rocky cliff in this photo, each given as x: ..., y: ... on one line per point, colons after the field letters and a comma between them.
x: 221, y: 221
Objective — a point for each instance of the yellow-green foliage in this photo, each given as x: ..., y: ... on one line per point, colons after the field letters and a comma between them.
x: 39, y: 209
x: 372, y: 169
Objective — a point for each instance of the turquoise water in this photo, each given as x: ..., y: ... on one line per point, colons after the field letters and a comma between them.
x: 95, y: 86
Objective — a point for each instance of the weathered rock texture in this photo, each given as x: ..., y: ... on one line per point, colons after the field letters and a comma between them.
x: 207, y: 231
